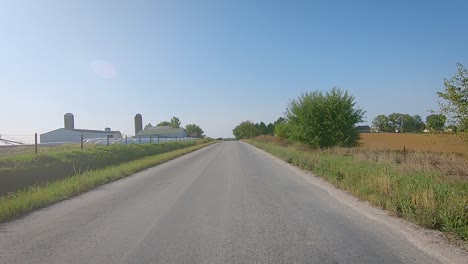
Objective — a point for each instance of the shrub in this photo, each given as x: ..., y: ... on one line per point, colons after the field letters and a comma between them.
x: 324, y: 119
x: 246, y: 129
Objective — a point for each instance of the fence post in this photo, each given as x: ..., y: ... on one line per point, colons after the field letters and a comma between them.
x: 139, y: 139
x: 151, y: 138
x: 404, y: 153
x: 35, y: 143
x: 81, y: 141
x: 125, y: 139
x: 107, y: 140
x: 158, y: 138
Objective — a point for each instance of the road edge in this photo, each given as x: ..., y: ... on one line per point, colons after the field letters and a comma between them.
x: 431, y: 242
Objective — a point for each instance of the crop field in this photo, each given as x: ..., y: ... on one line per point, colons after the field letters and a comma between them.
x: 448, y: 143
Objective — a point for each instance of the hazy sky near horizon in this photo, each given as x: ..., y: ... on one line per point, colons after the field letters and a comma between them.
x: 217, y: 63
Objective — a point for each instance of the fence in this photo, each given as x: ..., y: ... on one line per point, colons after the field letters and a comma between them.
x: 10, y: 144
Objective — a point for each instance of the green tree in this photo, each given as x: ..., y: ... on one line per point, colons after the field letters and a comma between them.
x: 382, y: 122
x: 395, y: 122
x: 270, y: 129
x: 246, y: 129
x: 415, y: 124
x: 194, y: 129
x: 279, y: 121
x: 148, y: 125
x: 456, y: 98
x: 175, y: 122
x: 164, y: 123
x: 263, y: 128
x: 405, y: 122
x: 436, y: 122
x: 282, y: 130
x: 324, y: 119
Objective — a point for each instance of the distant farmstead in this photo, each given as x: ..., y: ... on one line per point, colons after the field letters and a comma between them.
x: 363, y: 129
x: 69, y: 134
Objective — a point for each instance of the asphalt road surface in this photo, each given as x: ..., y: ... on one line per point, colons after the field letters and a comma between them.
x: 227, y: 203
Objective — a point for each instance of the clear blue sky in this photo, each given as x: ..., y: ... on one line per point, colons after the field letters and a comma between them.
x: 217, y: 63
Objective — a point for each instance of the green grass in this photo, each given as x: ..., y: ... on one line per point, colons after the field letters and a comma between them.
x: 22, y: 202
x: 421, y: 194
x: 29, y: 149
x: 23, y: 170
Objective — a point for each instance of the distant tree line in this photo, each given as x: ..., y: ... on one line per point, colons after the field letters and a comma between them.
x: 190, y: 129
x: 316, y: 119
x: 248, y: 129
x: 403, y: 123
x: 453, y: 110
x: 325, y: 119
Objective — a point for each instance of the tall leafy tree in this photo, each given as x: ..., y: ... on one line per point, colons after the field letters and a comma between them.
x: 194, y: 129
x: 283, y: 130
x: 415, y: 124
x: 246, y: 129
x: 405, y: 122
x: 263, y: 128
x: 175, y: 122
x: 164, y: 123
x: 395, y: 122
x: 436, y: 122
x: 382, y: 122
x: 324, y: 119
x: 270, y: 129
x: 455, y: 96
x: 279, y: 121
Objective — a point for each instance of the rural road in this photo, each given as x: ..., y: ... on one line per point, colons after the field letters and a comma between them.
x: 227, y: 203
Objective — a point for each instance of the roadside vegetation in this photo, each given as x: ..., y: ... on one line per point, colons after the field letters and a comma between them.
x: 23, y: 170
x: 419, y: 177
x: 430, y: 189
x: 29, y: 149
x: 34, y: 197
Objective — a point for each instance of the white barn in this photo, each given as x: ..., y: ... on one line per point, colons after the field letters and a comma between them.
x: 63, y: 135
x: 69, y: 134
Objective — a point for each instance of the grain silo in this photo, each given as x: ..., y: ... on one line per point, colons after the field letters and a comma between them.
x: 69, y: 120
x: 138, y: 123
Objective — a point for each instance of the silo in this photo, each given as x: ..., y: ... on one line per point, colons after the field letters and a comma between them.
x: 138, y: 123
x: 69, y: 121
x: 107, y: 129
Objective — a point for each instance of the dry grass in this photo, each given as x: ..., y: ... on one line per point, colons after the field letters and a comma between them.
x: 448, y: 143
x: 449, y: 166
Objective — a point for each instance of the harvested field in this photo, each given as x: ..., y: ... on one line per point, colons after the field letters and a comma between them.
x: 448, y: 143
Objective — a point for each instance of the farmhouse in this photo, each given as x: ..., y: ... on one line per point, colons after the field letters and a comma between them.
x: 69, y: 134
x: 162, y: 131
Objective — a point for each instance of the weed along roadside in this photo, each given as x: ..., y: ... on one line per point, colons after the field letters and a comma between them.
x: 34, y: 197
x: 430, y: 189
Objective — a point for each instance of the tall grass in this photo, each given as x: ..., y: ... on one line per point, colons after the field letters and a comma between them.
x: 24, y: 201
x: 23, y: 170
x: 416, y: 190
